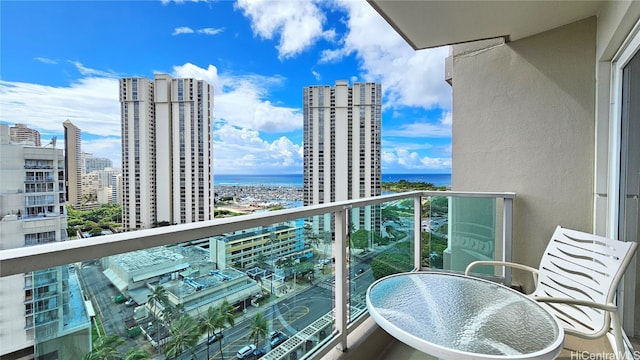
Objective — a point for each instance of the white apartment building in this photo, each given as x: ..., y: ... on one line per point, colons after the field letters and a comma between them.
x: 167, y: 151
x: 73, y: 162
x: 342, y: 148
x: 38, y: 314
x: 91, y: 163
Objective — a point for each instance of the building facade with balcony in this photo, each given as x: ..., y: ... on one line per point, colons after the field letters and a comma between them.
x: 545, y: 105
x: 342, y: 147
x: 42, y: 307
x: 247, y: 248
x: 166, y: 149
x: 20, y: 132
x: 91, y: 163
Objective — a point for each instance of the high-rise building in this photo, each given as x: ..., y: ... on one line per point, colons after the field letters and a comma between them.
x: 91, y: 163
x: 21, y: 133
x: 342, y: 148
x: 167, y: 151
x: 72, y: 163
x: 42, y: 312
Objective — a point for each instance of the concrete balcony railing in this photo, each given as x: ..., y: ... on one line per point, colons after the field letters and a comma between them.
x: 308, y: 278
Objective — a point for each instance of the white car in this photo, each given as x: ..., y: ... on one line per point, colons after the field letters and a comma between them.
x: 245, y: 351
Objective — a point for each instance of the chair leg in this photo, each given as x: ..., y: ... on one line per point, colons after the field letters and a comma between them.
x: 619, y: 349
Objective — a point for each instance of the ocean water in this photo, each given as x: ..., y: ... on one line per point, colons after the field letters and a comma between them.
x: 296, y: 179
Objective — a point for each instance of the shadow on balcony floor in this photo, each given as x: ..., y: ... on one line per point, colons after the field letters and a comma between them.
x: 375, y: 343
x: 575, y: 348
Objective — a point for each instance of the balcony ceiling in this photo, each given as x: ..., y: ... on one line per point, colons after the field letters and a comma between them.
x: 427, y: 24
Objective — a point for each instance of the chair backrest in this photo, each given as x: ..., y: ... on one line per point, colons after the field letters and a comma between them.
x: 583, y: 266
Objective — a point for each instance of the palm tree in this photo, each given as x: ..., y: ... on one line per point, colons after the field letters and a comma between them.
x: 259, y: 328
x: 171, y: 313
x: 210, y: 322
x: 106, y: 348
x: 185, y: 334
x: 159, y: 296
x: 228, y: 316
x: 137, y: 354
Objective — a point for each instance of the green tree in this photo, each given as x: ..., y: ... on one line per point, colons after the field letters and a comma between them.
x: 136, y: 353
x: 228, y: 316
x: 390, y: 263
x: 106, y: 348
x: 360, y: 239
x: 261, y: 261
x: 171, y: 313
x: 259, y: 326
x: 209, y: 323
x: 159, y: 299
x: 185, y: 334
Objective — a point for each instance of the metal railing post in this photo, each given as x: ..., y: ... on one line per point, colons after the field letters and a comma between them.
x: 342, y: 220
x: 507, y: 233
x: 417, y: 231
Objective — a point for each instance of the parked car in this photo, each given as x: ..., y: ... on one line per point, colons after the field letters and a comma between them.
x: 215, y: 338
x: 258, y: 353
x: 245, y: 351
x: 130, y: 302
x: 277, y: 339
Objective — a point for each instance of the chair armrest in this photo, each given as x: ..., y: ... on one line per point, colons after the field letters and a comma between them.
x: 547, y: 299
x: 533, y: 271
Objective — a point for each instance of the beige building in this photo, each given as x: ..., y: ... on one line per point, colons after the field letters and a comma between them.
x: 547, y: 106
x: 342, y: 140
x: 21, y: 133
x: 243, y: 249
x: 73, y: 162
x: 41, y: 312
x: 167, y: 150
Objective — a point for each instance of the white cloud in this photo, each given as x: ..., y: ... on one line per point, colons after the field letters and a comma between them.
x: 182, y: 30
x: 298, y: 24
x: 210, y: 31
x: 404, y: 159
x: 187, y: 30
x: 93, y: 72
x: 242, y: 100
x: 425, y: 129
x: 91, y: 103
x: 46, y: 61
x: 316, y: 75
x: 105, y: 147
x: 165, y: 2
x: 408, y: 77
x: 240, y: 150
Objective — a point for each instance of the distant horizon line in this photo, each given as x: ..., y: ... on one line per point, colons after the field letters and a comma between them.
x: 289, y: 174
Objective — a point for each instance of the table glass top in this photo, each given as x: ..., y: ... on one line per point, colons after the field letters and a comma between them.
x: 462, y: 313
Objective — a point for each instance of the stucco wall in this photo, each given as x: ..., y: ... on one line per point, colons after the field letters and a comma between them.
x: 523, y: 121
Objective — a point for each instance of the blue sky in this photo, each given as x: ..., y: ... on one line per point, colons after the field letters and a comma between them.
x: 62, y: 60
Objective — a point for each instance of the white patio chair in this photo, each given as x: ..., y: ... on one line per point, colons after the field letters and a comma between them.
x: 577, y: 281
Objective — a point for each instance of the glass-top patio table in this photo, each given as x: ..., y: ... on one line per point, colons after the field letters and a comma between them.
x: 453, y: 316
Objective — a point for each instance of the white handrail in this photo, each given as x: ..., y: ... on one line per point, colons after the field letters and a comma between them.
x: 26, y: 259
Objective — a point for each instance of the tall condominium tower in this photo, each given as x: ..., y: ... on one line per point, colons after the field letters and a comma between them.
x: 342, y: 148
x: 42, y: 313
x: 21, y: 132
x: 72, y: 163
x: 167, y: 151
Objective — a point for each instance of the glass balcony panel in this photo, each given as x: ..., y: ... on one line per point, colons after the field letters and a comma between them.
x: 279, y: 265
x: 381, y: 243
x: 458, y: 230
